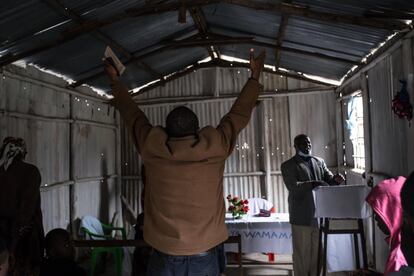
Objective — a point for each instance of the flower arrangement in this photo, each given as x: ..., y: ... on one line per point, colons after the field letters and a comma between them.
x: 238, y: 207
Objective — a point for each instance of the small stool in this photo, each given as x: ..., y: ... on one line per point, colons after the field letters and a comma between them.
x: 324, y: 231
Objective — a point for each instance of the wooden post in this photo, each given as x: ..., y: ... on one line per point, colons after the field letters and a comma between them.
x: 366, y: 99
x: 118, y: 165
x: 281, y: 35
x: 408, y: 69
x: 201, y: 24
x: 339, y: 134
x: 72, y: 171
x: 3, y: 95
x: 267, y: 187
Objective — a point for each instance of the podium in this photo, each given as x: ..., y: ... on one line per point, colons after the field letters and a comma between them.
x: 341, y: 203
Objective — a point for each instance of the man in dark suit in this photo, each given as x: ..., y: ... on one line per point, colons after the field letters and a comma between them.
x: 301, y: 174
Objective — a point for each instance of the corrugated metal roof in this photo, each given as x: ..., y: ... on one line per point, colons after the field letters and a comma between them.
x: 259, y: 23
x: 40, y: 33
x: 352, y: 40
x: 356, y: 7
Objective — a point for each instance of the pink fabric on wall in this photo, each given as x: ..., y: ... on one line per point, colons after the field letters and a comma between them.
x: 386, y: 202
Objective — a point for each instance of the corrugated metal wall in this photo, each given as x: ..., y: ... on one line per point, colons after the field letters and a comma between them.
x: 70, y: 138
x: 263, y: 145
x: 315, y: 116
x: 387, y: 137
x: 389, y: 133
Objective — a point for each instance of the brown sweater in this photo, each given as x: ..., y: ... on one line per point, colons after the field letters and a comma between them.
x: 184, y: 203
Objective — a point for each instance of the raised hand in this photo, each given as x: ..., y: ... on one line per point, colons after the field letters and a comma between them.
x: 110, y: 70
x: 339, y: 178
x: 257, y: 63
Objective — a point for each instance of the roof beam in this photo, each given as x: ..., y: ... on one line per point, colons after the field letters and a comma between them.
x: 280, y: 37
x: 291, y: 9
x: 201, y: 24
x: 147, y: 52
x: 304, y: 11
x: 148, y: 9
x: 389, y: 14
x: 226, y: 40
x: 287, y: 8
x: 212, y: 98
x: 223, y: 64
x: 241, y: 40
x: 200, y: 42
x: 220, y: 40
x: 312, y: 47
x: 58, y: 6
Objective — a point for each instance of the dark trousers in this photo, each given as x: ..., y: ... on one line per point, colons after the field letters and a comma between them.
x: 203, y: 264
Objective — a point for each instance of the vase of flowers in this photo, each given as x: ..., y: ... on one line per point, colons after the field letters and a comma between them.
x: 238, y: 207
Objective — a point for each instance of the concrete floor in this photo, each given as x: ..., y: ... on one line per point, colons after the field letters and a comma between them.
x: 281, y: 266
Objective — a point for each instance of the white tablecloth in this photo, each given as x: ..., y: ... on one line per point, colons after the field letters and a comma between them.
x: 261, y: 234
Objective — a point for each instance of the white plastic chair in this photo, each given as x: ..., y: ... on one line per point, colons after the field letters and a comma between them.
x: 256, y: 203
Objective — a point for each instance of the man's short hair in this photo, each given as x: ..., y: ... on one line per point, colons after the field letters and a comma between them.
x: 407, y: 195
x: 299, y: 138
x: 4, y: 252
x: 55, y: 236
x: 181, y: 121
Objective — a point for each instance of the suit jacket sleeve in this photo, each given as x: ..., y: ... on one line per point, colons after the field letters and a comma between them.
x: 290, y: 177
x: 238, y: 117
x: 135, y: 119
x: 327, y: 175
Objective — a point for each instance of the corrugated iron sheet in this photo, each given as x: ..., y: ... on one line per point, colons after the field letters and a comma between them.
x: 94, y: 151
x: 244, y: 187
x: 279, y: 194
x: 276, y: 112
x: 353, y: 40
x: 314, y: 115
x: 96, y: 198
x: 35, y: 24
x: 55, y: 208
x: 41, y: 115
x: 223, y: 81
x: 245, y: 168
x: 243, y: 19
x: 389, y: 133
x: 355, y: 7
x: 25, y: 18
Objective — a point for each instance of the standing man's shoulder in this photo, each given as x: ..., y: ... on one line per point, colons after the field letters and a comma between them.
x: 288, y: 163
x: 26, y: 168
x: 319, y: 160
x: 31, y: 171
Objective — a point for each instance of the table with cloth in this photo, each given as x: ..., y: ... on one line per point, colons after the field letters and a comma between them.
x: 261, y: 234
